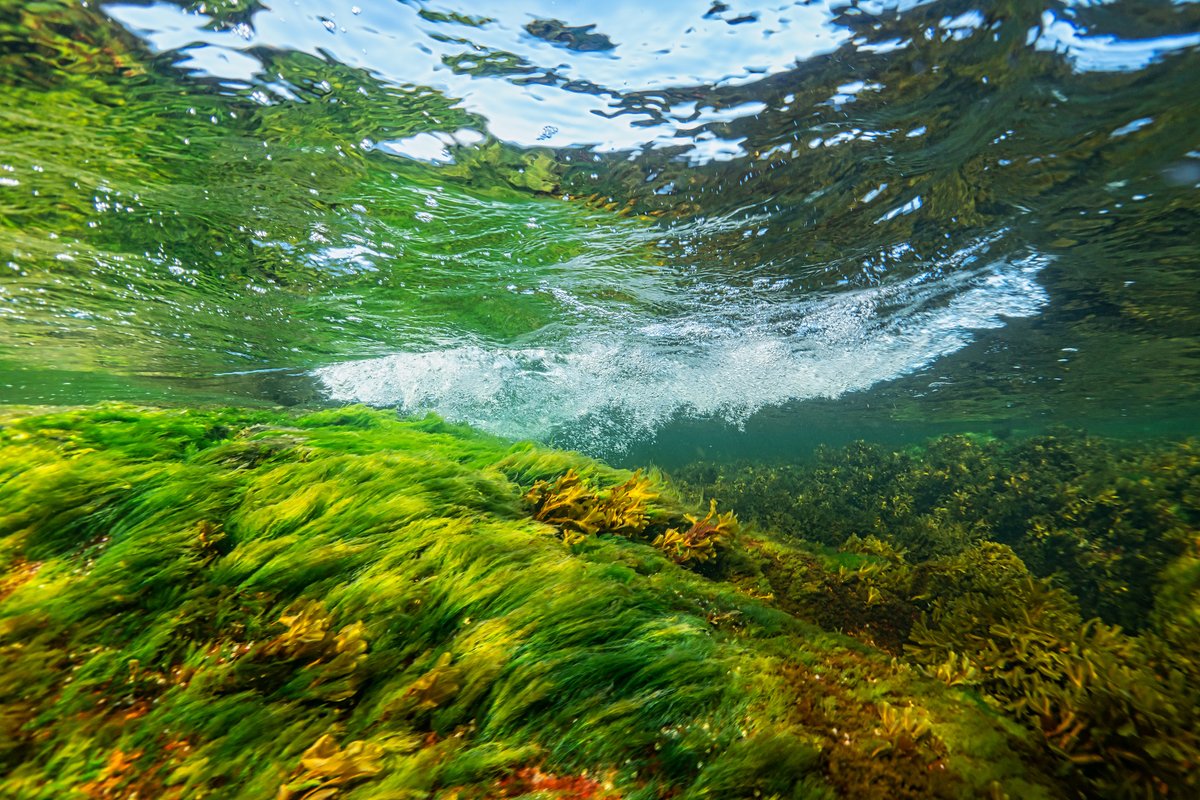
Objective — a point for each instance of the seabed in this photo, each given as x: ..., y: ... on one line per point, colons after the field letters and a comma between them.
x: 350, y: 604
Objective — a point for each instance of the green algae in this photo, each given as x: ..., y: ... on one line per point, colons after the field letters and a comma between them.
x: 347, y: 604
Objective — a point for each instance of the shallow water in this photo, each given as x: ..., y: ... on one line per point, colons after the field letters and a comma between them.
x: 729, y: 240
x: 647, y: 232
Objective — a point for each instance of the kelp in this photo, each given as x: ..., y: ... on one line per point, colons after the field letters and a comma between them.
x: 701, y: 539
x: 1105, y: 518
x: 578, y: 509
x: 351, y: 605
x: 1119, y: 709
x: 985, y: 563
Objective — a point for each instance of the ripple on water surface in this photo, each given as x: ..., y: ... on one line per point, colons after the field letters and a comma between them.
x: 587, y: 222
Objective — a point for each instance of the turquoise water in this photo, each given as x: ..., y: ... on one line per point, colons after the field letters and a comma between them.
x: 650, y: 232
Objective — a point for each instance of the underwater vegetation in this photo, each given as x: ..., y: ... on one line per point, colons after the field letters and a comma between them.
x: 1055, y: 576
x: 347, y: 604
x: 580, y: 510
x: 1104, y: 519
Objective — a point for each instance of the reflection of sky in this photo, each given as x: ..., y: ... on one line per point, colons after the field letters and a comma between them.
x: 1101, y: 52
x: 658, y: 45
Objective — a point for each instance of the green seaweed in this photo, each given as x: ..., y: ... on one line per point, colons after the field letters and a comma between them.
x: 349, y: 604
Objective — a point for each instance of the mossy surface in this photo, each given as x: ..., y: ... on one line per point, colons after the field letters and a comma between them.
x: 347, y: 604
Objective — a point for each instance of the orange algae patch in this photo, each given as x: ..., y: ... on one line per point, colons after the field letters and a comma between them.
x: 559, y: 787
x: 20, y: 573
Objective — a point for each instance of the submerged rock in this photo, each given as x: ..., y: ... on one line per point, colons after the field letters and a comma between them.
x: 348, y: 604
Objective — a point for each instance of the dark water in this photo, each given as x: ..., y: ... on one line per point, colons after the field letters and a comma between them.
x: 650, y: 231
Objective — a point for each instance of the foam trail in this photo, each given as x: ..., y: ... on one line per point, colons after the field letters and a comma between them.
x: 607, y: 387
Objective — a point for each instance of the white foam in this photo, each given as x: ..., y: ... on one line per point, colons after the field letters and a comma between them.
x: 612, y: 383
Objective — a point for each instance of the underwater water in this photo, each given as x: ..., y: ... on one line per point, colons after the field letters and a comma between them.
x: 630, y: 226
x: 902, y: 297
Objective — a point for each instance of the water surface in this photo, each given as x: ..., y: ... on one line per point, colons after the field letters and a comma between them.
x: 628, y: 228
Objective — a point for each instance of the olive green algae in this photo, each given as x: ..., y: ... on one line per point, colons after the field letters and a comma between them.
x: 1058, y: 576
x: 349, y: 604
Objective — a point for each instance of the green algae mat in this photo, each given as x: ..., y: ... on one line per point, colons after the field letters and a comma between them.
x: 252, y: 604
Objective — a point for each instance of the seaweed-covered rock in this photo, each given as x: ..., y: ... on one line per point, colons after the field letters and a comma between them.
x: 347, y: 604
x: 972, y: 559
x: 1104, y: 517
